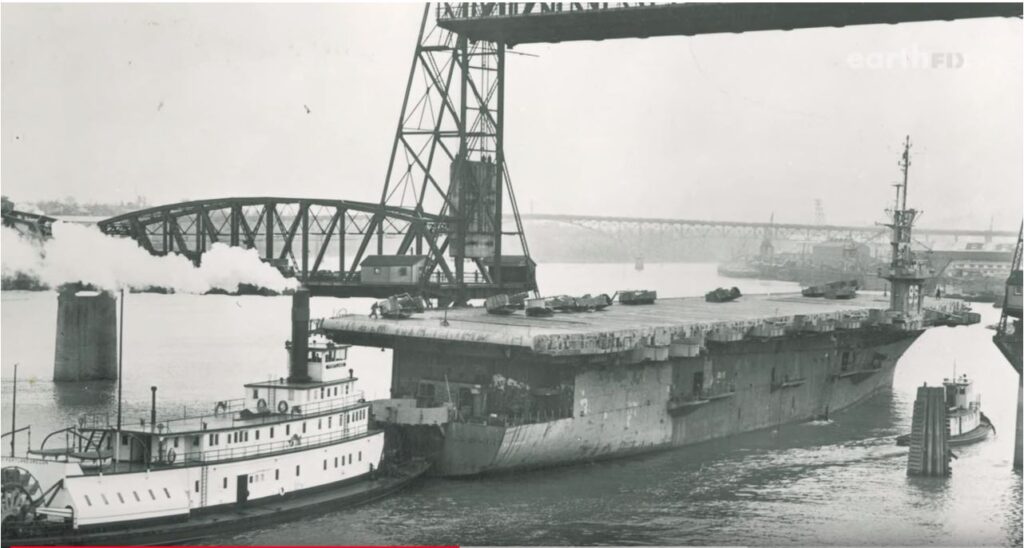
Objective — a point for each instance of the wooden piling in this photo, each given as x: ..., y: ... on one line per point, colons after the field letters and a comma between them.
x: 929, y: 435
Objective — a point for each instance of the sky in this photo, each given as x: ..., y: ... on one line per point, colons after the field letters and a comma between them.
x: 104, y: 103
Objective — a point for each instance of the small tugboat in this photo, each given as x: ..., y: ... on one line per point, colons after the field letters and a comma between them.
x: 967, y: 424
x: 290, y: 448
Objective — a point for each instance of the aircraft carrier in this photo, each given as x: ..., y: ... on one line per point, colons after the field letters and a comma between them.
x: 481, y: 393
x: 478, y: 392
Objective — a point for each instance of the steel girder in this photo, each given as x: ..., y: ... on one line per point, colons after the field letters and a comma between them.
x: 297, y: 234
x: 28, y: 224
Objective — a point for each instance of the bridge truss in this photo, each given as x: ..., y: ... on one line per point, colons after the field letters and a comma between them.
x: 321, y: 242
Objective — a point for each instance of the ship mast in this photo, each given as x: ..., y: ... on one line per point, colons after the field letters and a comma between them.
x: 905, y: 275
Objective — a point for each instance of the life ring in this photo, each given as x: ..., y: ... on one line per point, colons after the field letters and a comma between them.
x: 171, y: 455
x: 296, y: 440
x: 261, y: 405
x: 221, y: 406
x: 282, y: 406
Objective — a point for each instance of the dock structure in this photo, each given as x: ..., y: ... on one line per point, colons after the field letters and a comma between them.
x: 669, y: 327
x: 929, y: 436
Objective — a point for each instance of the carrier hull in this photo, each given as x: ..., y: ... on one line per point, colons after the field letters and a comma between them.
x: 624, y: 410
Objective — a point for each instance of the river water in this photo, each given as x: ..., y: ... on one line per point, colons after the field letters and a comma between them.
x: 841, y: 482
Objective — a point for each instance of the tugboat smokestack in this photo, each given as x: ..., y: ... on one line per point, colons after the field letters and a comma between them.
x: 298, y: 366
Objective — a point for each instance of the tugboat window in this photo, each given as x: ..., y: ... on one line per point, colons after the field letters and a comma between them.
x: 325, y: 464
x: 104, y: 497
x: 225, y: 483
x: 136, y: 494
x: 277, y: 474
x: 303, y: 427
x: 151, y: 495
x: 287, y: 429
x: 255, y: 393
x: 298, y: 470
x: 197, y: 486
x: 271, y: 431
x: 167, y: 493
x: 87, y: 501
x: 120, y: 498
x: 335, y: 462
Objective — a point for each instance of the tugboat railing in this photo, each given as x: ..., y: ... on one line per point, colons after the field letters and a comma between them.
x: 229, y: 415
x: 294, y: 442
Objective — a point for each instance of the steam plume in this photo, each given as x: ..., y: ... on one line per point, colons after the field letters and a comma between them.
x: 78, y: 253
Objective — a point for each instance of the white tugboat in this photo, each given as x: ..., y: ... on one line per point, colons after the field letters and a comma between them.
x: 289, y: 448
x: 967, y: 424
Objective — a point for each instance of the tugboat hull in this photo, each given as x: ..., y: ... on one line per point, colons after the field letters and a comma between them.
x: 234, y: 518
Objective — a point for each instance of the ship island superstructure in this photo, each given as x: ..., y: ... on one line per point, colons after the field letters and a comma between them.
x: 479, y: 392
x: 284, y: 438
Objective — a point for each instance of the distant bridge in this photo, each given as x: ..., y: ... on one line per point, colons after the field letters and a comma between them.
x: 739, y: 229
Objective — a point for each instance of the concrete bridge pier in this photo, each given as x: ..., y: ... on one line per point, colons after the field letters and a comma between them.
x: 86, y: 335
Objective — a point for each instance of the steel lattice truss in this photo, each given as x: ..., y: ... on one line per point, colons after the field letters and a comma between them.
x: 303, y: 236
x: 452, y: 111
x: 27, y: 224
